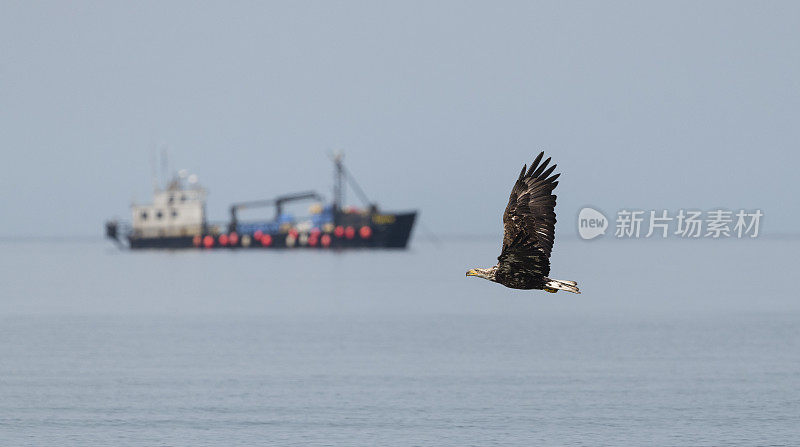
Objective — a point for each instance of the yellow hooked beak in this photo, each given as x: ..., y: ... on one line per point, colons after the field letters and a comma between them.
x: 472, y: 273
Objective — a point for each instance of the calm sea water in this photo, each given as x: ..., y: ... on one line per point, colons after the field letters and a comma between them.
x: 671, y: 343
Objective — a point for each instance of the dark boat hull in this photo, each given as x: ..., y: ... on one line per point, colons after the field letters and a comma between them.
x: 350, y: 231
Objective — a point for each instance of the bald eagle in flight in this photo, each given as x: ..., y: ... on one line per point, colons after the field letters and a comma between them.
x: 529, y: 223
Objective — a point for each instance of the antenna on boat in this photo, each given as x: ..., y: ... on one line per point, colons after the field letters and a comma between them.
x: 153, y: 171
x: 164, y: 167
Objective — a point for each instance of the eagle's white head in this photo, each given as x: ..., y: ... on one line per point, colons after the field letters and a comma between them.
x: 487, y: 273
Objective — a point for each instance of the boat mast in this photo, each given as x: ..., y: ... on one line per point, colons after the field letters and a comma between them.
x: 341, y: 175
x: 338, y: 182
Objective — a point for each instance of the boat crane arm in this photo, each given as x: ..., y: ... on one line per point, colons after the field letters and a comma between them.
x: 277, y: 202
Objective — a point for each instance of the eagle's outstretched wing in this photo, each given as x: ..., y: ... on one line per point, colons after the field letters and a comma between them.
x: 529, y: 222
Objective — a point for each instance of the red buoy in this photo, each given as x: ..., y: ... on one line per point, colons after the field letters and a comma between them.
x: 233, y: 238
x: 326, y: 240
x: 223, y: 239
x: 197, y: 240
x: 338, y: 231
x: 257, y: 235
x: 315, y: 232
x: 266, y: 240
x: 208, y: 241
x: 312, y: 239
x: 365, y: 232
x: 350, y: 232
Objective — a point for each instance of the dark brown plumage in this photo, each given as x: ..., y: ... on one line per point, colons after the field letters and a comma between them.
x: 529, y: 229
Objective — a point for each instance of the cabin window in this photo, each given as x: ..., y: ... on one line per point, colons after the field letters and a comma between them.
x: 143, y: 215
x: 171, y: 200
x: 159, y: 214
x: 183, y: 198
x: 174, y: 214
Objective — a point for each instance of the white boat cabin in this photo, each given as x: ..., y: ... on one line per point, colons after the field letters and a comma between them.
x: 176, y: 211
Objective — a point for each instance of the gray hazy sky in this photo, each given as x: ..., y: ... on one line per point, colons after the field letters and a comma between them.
x: 437, y: 105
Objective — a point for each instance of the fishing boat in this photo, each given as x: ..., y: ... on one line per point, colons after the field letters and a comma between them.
x: 176, y: 219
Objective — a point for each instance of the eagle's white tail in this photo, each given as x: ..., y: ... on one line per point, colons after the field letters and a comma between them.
x: 560, y: 284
